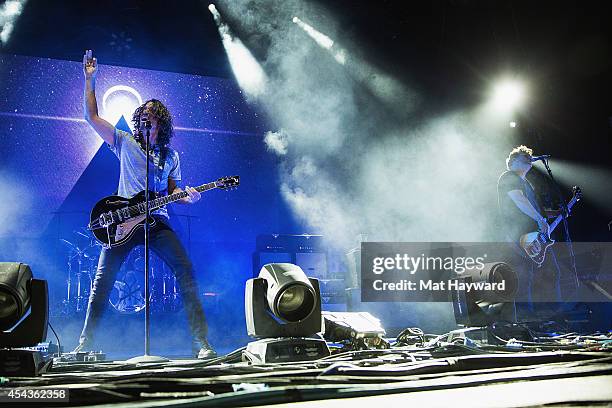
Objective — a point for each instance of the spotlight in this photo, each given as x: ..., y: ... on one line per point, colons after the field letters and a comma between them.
x: 508, y: 95
x: 283, y: 302
x: 512, y: 124
x: 19, y: 293
x: 491, y: 297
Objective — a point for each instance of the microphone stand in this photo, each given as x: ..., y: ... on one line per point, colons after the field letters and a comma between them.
x: 147, y: 358
x: 564, y: 214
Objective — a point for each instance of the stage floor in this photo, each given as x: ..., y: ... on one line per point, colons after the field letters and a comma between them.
x: 453, y: 375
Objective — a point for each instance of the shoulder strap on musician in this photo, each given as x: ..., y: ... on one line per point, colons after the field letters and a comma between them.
x: 162, y: 157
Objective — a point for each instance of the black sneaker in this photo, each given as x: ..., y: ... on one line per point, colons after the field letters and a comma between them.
x: 206, y: 350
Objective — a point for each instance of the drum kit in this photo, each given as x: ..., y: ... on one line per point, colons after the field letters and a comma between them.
x: 127, y: 294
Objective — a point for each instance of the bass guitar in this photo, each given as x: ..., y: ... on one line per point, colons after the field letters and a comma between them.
x: 535, y: 244
x: 115, y: 219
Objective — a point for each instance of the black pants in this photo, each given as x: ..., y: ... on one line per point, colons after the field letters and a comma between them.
x: 539, y: 287
x: 165, y: 243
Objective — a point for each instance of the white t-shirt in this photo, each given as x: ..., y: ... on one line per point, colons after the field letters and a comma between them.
x: 132, y: 168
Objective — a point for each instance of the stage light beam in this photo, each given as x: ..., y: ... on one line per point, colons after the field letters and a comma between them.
x: 9, y: 13
x: 389, y: 90
x: 248, y: 72
x: 323, y: 40
x: 320, y: 38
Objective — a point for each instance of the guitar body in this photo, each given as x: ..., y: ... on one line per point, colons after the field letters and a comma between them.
x: 535, y: 244
x: 114, y: 220
x: 122, y: 230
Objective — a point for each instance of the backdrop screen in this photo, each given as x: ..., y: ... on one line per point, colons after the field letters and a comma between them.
x: 54, y: 164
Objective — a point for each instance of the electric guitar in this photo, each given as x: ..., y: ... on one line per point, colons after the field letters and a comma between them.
x: 535, y: 244
x: 115, y: 219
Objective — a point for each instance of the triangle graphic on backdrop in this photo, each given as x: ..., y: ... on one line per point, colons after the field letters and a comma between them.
x: 99, y: 179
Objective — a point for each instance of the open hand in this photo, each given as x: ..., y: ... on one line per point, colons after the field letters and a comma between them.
x: 90, y: 65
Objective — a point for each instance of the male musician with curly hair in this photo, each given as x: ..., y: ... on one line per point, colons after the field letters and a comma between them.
x: 165, y: 172
x: 520, y: 213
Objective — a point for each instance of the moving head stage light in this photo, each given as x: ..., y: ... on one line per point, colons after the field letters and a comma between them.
x: 20, y: 293
x: 283, y: 308
x: 483, y: 307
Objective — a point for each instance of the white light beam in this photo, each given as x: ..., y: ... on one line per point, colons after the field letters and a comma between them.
x: 249, y: 74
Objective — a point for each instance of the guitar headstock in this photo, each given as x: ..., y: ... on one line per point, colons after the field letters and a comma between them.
x: 577, y: 193
x: 228, y: 182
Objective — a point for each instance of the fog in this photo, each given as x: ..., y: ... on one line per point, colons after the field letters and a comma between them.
x: 359, y: 154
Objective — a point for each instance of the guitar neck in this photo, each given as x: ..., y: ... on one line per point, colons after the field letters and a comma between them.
x: 161, y: 201
x: 559, y: 218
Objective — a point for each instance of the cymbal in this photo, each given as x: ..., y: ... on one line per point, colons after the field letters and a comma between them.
x: 68, y: 244
x: 74, y: 249
x: 81, y: 234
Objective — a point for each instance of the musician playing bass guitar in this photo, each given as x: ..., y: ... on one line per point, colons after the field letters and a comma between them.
x: 521, y: 214
x: 165, y: 173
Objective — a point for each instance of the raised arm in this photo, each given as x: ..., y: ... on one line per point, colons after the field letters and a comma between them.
x: 90, y: 105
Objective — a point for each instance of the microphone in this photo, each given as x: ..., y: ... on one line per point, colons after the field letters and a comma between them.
x: 543, y: 157
x: 144, y: 122
x: 138, y: 129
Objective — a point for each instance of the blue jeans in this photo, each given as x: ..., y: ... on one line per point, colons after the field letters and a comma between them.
x: 539, y: 288
x: 165, y: 243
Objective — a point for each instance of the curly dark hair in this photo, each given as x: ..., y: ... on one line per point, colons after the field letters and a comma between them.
x: 164, y: 120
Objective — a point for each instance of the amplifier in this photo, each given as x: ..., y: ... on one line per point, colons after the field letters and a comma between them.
x: 306, y: 251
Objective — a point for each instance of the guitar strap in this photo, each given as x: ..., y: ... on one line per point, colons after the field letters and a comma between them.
x: 162, y: 157
x: 163, y: 153
x: 162, y: 162
x: 160, y: 168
